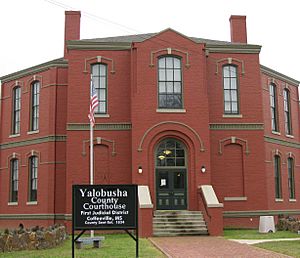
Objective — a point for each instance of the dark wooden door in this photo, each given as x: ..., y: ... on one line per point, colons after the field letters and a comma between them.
x: 171, y: 191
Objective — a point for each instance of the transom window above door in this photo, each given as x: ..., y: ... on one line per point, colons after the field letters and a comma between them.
x: 170, y: 153
x: 169, y: 83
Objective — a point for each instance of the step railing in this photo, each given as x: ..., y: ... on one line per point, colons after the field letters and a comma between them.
x: 213, y: 210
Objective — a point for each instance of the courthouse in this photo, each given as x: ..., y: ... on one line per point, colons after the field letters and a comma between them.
x: 199, y: 125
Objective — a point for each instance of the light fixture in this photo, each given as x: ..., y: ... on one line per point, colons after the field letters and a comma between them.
x: 140, y: 170
x: 203, y: 169
x: 161, y: 157
x: 167, y: 152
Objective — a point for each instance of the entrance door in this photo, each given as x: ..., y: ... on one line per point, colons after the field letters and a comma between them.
x: 171, y: 189
x: 171, y: 176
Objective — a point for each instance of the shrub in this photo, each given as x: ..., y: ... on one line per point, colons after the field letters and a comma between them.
x: 288, y: 223
x: 34, y: 238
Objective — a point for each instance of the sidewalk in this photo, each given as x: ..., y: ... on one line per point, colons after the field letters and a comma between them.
x: 256, y: 241
x: 203, y: 246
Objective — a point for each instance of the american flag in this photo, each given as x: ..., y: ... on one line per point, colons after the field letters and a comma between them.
x: 93, y: 103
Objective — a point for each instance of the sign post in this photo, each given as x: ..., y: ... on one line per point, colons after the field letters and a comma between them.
x: 105, y: 207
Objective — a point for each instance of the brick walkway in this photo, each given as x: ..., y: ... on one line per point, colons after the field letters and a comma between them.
x: 194, y: 247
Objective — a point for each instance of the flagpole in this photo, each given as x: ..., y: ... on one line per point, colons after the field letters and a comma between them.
x: 91, y: 155
x: 93, y: 104
x: 91, y: 161
x: 91, y: 158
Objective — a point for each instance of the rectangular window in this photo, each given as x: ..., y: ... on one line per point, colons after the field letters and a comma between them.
x: 99, y: 79
x: 277, y: 171
x: 14, y: 180
x: 169, y: 83
x: 33, y: 177
x: 287, y: 112
x: 291, y: 179
x: 16, y: 115
x: 35, y: 101
x: 230, y: 88
x: 273, y: 105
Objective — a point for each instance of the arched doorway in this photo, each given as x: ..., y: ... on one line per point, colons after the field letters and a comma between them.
x: 171, y: 175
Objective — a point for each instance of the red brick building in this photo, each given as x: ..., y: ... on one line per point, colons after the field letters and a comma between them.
x: 176, y: 113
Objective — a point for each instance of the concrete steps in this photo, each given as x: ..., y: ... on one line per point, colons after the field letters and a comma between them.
x: 179, y: 223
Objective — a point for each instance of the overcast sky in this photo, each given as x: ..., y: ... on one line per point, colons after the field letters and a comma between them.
x: 32, y: 31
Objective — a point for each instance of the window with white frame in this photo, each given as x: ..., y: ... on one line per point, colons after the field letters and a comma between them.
x: 287, y: 111
x: 99, y: 80
x: 291, y: 178
x: 230, y: 88
x: 16, y: 110
x: 35, y: 102
x: 274, y: 109
x: 169, y: 83
x: 33, y: 178
x: 14, y: 180
x: 277, y: 174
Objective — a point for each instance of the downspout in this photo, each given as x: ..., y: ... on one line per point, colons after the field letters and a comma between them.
x: 55, y: 121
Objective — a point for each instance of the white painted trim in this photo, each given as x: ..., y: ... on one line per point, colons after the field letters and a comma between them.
x: 232, y: 199
x: 14, y: 135
x: 292, y: 200
x: 166, y: 110
x: 144, y: 197
x: 102, y: 115
x: 232, y: 116
x: 275, y: 132
x: 31, y: 203
x: 278, y: 200
x: 290, y: 136
x: 210, y: 196
x: 12, y: 203
x: 33, y: 132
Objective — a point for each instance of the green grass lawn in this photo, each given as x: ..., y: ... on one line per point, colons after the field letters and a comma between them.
x: 114, y: 245
x: 291, y: 248
x: 254, y: 234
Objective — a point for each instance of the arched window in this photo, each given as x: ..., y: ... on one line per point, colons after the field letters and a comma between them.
x: 14, y: 180
x: 230, y: 87
x: 169, y: 83
x: 277, y: 174
x: 274, y: 109
x: 170, y: 153
x: 35, y: 102
x: 287, y: 111
x: 16, y: 110
x: 99, y: 80
x: 33, y: 178
x: 291, y: 178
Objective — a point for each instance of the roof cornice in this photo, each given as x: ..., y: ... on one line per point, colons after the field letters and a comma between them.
x: 233, y: 48
x: 280, y: 76
x: 90, y: 45
x: 34, y: 69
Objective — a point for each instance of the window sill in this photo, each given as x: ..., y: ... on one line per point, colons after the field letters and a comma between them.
x: 278, y: 200
x: 31, y: 203
x: 169, y: 110
x: 14, y: 135
x: 232, y: 116
x: 275, y: 132
x: 292, y: 200
x: 101, y: 115
x: 235, y: 199
x: 33, y: 132
x: 290, y: 136
x: 12, y: 204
